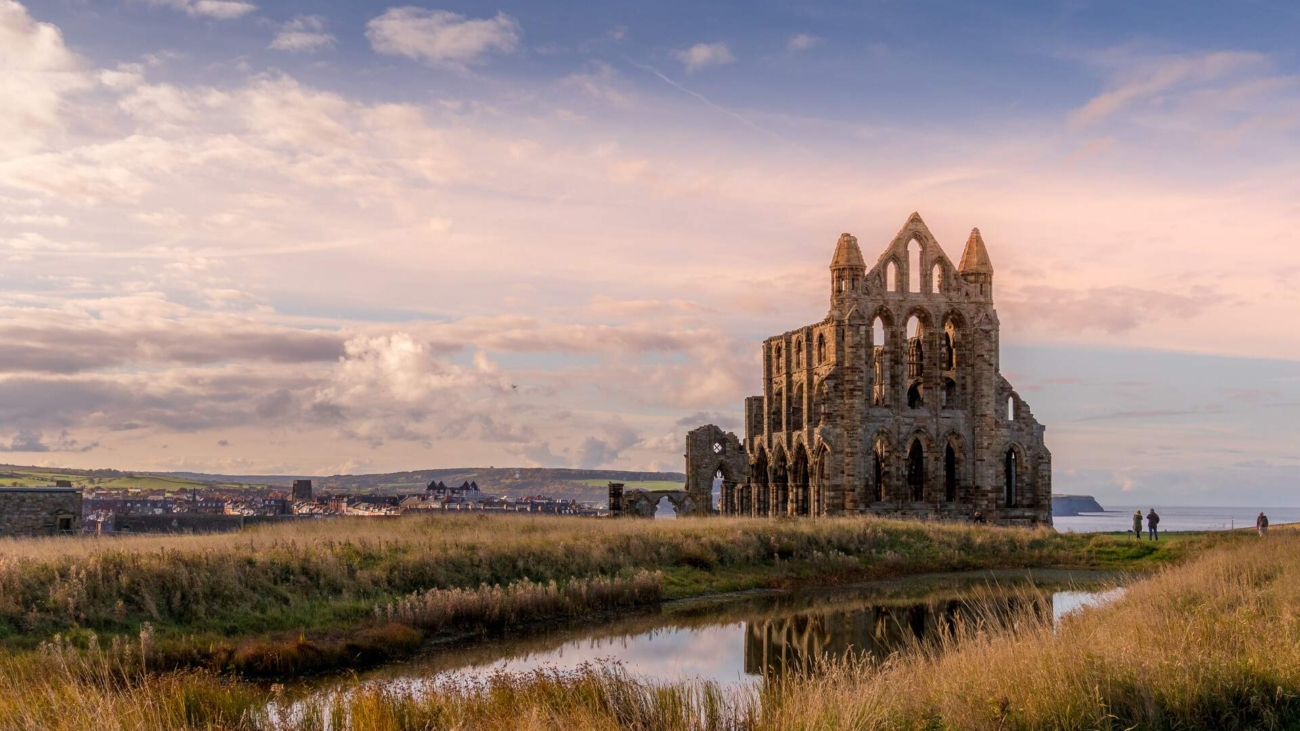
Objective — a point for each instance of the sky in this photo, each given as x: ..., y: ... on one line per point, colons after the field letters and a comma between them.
x: 291, y: 237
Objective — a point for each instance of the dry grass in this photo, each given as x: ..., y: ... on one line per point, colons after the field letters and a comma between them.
x: 332, y: 572
x: 498, y: 606
x: 1208, y: 645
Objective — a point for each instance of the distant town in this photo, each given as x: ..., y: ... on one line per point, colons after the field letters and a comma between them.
x: 40, y: 502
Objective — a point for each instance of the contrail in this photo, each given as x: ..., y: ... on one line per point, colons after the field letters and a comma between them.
x: 734, y: 115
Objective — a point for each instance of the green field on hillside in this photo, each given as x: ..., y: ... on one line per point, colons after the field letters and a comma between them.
x: 29, y: 477
x: 652, y: 485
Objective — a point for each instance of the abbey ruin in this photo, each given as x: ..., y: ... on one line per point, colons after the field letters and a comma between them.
x: 893, y: 404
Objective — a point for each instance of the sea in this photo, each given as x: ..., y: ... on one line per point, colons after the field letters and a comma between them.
x: 1172, y: 518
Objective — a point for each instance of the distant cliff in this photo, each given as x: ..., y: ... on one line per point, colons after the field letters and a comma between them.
x: 1075, y: 504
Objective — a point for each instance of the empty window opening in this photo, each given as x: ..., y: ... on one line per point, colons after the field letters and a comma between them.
x: 936, y: 279
x: 1010, y: 467
x: 879, y: 474
x: 915, y: 396
x: 891, y: 277
x: 915, y: 348
x: 949, y: 355
x: 821, y: 349
x: 913, y: 266
x: 950, y: 474
x: 878, y: 386
x: 798, y: 354
x: 1011, y: 408
x: 878, y: 332
x: 916, y: 471
x: 776, y: 356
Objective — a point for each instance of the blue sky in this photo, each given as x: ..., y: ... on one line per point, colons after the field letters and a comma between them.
x: 322, y: 237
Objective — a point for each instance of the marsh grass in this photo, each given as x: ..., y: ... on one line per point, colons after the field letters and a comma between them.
x: 1205, y: 645
x: 331, y: 573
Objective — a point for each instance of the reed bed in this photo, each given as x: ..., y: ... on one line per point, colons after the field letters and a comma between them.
x: 497, y: 607
x: 333, y: 572
x: 1210, y: 644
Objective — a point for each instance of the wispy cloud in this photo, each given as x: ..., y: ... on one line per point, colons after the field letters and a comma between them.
x: 704, y: 55
x: 441, y: 37
x: 214, y: 9
x: 303, y: 34
x: 1141, y: 80
x: 802, y: 42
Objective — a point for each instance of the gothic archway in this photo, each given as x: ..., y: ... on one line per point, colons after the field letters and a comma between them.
x: 916, y: 471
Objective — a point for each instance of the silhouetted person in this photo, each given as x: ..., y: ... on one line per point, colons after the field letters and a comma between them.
x: 1153, y: 520
x: 1137, y: 524
x: 1261, y: 524
x: 978, y: 517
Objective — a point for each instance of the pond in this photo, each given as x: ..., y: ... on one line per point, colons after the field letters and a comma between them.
x: 744, y: 638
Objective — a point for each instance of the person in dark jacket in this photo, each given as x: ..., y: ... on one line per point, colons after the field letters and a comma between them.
x: 1137, y: 524
x: 1261, y: 524
x: 1153, y: 520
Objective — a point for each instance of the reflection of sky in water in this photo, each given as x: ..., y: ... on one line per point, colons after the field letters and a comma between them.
x: 1066, y: 602
x: 716, y: 652
x: 669, y: 654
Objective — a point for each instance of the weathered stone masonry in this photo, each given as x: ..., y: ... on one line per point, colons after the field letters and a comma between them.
x: 894, y: 403
x: 39, y: 511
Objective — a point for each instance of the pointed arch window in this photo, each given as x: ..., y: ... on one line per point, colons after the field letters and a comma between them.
x: 821, y: 348
x: 891, y: 277
x: 936, y: 278
x: 916, y: 471
x: 950, y: 474
x: 796, y: 409
x: 914, y: 273
x: 1009, y: 467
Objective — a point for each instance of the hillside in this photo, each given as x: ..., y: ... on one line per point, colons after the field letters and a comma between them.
x: 511, y: 481
x: 569, y: 484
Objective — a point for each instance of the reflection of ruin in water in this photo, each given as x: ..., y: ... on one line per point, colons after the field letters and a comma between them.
x: 795, y: 644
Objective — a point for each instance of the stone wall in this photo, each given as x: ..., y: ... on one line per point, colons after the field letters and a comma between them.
x: 39, y: 511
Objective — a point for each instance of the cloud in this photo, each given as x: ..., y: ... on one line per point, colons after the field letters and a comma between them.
x: 303, y: 34
x: 37, y: 73
x: 602, y: 451
x: 441, y: 37
x: 1141, y: 80
x: 1111, y: 310
x: 703, y: 55
x: 214, y: 9
x: 601, y: 82
x: 33, y: 441
x: 802, y: 42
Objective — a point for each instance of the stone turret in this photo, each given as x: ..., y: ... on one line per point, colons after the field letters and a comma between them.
x: 848, y: 270
x: 976, y: 267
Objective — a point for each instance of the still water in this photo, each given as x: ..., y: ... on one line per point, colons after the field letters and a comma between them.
x: 743, y: 639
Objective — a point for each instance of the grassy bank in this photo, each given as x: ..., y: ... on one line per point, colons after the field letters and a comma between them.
x: 312, y: 589
x: 1205, y: 645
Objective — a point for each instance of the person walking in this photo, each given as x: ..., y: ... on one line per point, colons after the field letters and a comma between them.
x: 1261, y: 524
x: 1137, y: 524
x: 1153, y: 520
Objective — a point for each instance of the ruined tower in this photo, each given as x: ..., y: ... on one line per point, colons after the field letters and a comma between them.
x: 895, y: 403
